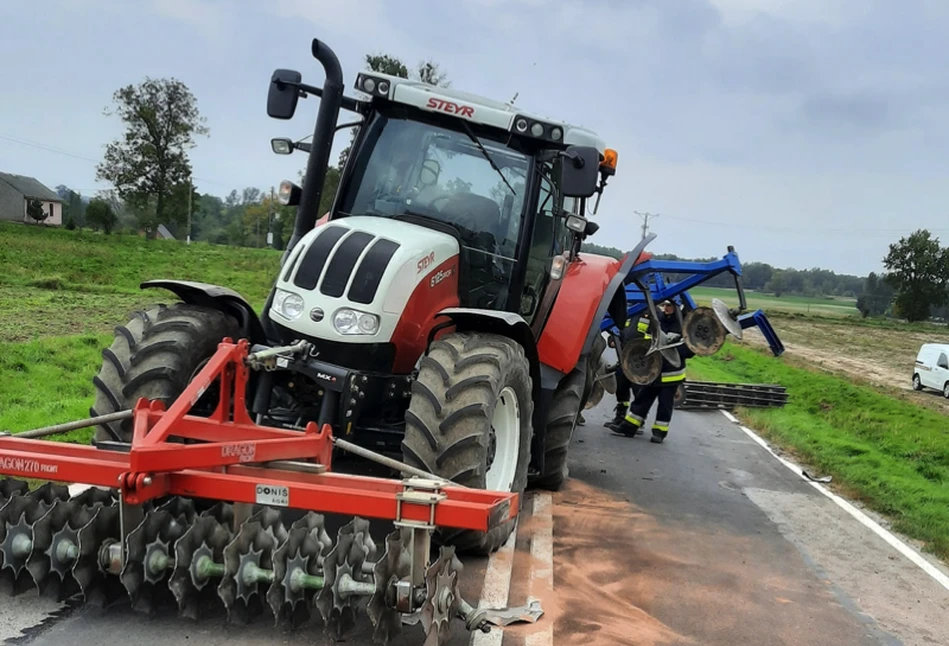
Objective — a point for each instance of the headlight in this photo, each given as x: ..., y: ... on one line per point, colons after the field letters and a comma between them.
x: 289, y: 305
x: 347, y: 321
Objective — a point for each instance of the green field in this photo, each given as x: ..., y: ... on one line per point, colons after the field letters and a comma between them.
x: 55, y: 282
x: 89, y: 262
x: 63, y: 292
x: 836, y: 307
x: 880, y: 448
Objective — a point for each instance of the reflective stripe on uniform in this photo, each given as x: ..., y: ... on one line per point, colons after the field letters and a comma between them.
x: 673, y: 375
x: 635, y: 420
x: 664, y: 426
x: 623, y: 404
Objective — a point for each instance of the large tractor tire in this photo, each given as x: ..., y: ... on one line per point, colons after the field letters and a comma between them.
x: 155, y: 355
x: 599, y: 346
x: 469, y: 421
x: 561, y: 422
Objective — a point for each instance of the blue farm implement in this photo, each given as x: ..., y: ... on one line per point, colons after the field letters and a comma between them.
x: 651, y: 281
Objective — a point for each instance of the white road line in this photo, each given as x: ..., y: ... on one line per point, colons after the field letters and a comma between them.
x: 861, y: 517
x: 494, y: 592
x: 542, y: 565
x: 731, y: 418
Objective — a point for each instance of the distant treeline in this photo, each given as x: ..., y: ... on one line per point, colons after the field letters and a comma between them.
x: 760, y: 276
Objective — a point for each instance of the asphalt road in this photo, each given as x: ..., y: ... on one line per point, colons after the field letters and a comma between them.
x: 706, y: 539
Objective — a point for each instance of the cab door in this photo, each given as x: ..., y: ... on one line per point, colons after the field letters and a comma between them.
x: 548, y: 239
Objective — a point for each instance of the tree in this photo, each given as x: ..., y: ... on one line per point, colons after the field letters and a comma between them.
x: 876, y: 297
x: 99, y: 215
x: 161, y: 120
x: 385, y: 64
x: 755, y: 275
x: 430, y: 72
x: 74, y: 207
x: 919, y: 272
x: 34, y: 209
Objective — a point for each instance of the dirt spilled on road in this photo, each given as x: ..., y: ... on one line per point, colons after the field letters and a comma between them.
x: 625, y: 577
x: 598, y: 573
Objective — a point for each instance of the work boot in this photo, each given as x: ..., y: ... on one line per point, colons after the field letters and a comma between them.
x: 658, y: 436
x: 580, y: 420
x: 626, y: 427
x: 619, y: 414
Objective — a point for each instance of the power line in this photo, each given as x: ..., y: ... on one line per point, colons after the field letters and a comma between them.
x: 805, y: 230
x: 33, y: 144
x: 53, y: 149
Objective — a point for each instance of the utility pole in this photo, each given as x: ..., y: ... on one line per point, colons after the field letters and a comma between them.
x: 190, y: 190
x: 645, y: 217
x: 270, y: 220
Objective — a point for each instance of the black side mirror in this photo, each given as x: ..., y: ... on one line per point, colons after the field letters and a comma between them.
x: 283, y: 94
x: 579, y: 171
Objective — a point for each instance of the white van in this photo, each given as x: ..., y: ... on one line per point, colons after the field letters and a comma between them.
x: 932, y: 368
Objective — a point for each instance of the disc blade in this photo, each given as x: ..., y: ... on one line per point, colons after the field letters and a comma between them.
x: 703, y: 332
x: 596, y: 394
x: 731, y: 324
x: 638, y: 366
x: 205, y: 538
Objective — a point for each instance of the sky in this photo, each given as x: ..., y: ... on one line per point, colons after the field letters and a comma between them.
x: 805, y: 133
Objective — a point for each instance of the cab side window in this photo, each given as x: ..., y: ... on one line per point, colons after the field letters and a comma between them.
x: 542, y: 249
x: 943, y: 361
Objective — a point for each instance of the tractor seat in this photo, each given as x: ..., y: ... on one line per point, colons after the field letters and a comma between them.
x: 474, y: 213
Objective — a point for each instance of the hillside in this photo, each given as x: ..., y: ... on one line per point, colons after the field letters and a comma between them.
x: 55, y: 282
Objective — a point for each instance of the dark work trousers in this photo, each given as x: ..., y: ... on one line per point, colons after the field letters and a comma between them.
x: 639, y: 409
x: 623, y: 387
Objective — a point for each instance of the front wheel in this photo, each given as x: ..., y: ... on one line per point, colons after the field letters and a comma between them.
x: 945, y: 390
x: 469, y: 421
x: 917, y: 384
x: 154, y: 356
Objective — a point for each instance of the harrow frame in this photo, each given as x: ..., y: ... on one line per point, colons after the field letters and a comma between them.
x: 228, y: 462
x: 227, y: 458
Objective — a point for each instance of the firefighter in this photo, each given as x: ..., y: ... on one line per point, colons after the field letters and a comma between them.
x: 625, y: 389
x: 662, y: 389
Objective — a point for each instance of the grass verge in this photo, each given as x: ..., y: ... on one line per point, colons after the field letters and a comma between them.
x: 890, y: 454
x: 42, y: 258
x: 49, y: 381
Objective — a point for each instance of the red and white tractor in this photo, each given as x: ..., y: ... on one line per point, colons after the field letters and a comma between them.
x: 441, y: 312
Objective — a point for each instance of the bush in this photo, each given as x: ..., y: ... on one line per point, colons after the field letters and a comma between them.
x: 99, y: 214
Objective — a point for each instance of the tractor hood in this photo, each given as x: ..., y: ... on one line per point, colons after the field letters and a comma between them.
x: 366, y: 279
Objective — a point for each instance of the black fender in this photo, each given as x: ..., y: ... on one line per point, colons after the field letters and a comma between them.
x: 614, y: 297
x: 543, y: 378
x: 216, y: 297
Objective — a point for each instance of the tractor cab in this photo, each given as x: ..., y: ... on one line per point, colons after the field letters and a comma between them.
x: 503, y: 184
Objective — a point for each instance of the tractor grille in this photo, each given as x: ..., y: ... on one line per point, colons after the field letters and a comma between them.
x: 331, y: 261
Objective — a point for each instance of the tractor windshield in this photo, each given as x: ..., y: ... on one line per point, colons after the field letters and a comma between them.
x: 417, y: 168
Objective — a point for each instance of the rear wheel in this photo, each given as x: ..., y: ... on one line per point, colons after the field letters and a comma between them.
x: 561, y: 422
x: 469, y: 421
x: 155, y: 355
